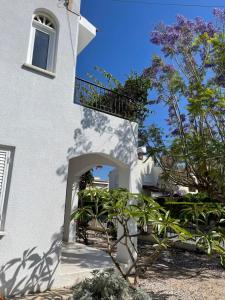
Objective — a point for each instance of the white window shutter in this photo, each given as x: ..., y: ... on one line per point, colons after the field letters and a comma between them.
x: 4, y: 167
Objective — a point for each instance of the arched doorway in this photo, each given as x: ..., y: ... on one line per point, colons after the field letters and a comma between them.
x: 79, y: 165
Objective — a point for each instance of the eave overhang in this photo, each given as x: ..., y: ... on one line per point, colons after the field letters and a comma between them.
x: 87, y: 32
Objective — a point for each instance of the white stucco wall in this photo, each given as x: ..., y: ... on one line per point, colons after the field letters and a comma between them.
x: 39, y: 118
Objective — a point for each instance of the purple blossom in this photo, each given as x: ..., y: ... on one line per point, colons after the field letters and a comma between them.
x: 220, y: 79
x: 181, y: 20
x: 164, y: 35
x: 175, y: 132
x: 168, y: 69
x: 172, y: 112
x: 174, y: 38
x: 219, y: 13
x: 182, y: 117
x: 186, y: 127
x: 156, y: 37
x: 203, y: 27
x: 211, y: 29
x: 169, y: 122
x: 150, y: 72
x: 146, y: 73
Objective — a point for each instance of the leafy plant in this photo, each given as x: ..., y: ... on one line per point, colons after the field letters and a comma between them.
x: 207, y: 223
x: 121, y: 207
x: 128, y: 99
x: 213, y: 242
x: 82, y: 224
x: 107, y: 285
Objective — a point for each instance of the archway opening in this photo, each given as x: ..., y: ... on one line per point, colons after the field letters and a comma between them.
x: 100, y: 164
x: 95, y: 182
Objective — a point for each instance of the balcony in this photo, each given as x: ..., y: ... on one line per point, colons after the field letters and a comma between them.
x: 102, y: 99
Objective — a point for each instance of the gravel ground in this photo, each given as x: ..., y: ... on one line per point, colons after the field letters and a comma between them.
x: 183, y: 275
x: 179, y: 274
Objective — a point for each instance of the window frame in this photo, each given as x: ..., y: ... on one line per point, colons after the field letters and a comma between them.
x: 52, y: 42
x: 6, y: 185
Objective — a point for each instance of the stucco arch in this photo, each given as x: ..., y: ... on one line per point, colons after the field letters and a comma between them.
x: 82, y: 163
x: 78, y: 165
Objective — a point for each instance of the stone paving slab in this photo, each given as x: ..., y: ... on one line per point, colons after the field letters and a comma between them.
x: 77, y: 263
x: 61, y: 294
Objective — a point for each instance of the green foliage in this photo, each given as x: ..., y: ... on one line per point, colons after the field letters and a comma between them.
x: 128, y: 99
x: 86, y: 179
x: 107, y: 285
x: 93, y: 201
x: 121, y: 207
x: 193, y: 210
x: 206, y: 221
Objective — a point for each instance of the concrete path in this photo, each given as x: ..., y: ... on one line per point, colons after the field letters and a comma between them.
x: 61, y: 294
x: 77, y: 263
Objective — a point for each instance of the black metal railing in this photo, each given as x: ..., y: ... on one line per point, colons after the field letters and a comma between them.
x: 105, y: 100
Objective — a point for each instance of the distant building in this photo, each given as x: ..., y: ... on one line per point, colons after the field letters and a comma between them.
x: 100, y: 183
x: 148, y: 176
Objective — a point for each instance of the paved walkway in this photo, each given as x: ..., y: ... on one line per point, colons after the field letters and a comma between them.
x: 62, y: 294
x: 77, y: 263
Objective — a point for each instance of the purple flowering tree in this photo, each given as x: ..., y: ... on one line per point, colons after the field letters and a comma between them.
x: 189, y: 78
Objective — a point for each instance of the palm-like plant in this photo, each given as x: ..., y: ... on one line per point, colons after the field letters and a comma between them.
x: 121, y: 207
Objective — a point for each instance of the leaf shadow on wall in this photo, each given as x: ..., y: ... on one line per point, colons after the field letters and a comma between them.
x: 29, y: 273
x: 100, y: 123
x: 82, y: 144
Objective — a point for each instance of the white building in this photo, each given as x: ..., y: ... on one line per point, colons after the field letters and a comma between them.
x: 46, y: 140
x: 99, y: 183
x: 148, y: 178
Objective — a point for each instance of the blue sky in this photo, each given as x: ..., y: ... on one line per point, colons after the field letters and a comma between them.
x: 102, y: 172
x: 122, y: 42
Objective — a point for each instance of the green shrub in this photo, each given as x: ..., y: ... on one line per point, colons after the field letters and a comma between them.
x: 107, y: 285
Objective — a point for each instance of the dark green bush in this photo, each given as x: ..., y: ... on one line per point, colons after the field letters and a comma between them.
x: 194, y: 207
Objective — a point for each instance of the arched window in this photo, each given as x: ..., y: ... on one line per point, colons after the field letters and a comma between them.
x: 42, y: 47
